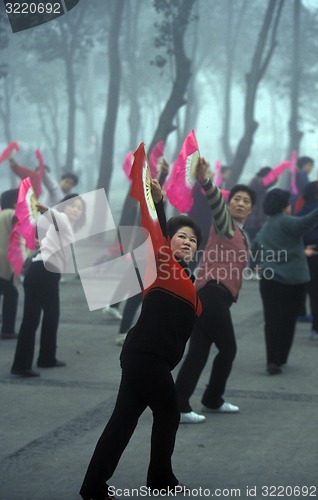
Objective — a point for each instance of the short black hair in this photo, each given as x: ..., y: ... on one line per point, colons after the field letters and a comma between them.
x: 9, y: 198
x: 263, y: 172
x: 70, y: 175
x: 178, y: 221
x: 245, y: 189
x: 303, y: 160
x: 275, y: 201
x: 311, y: 191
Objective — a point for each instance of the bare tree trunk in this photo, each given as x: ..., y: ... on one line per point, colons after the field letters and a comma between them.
x: 231, y: 37
x: 71, y: 25
x: 295, y: 134
x: 183, y: 74
x: 5, y: 109
x: 50, y: 114
x: 107, y: 155
x: 134, y: 119
x: 260, y: 62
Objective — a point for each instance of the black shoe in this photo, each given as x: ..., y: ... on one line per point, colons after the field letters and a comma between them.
x: 9, y: 336
x: 56, y: 364
x: 273, y: 369
x: 100, y: 496
x: 25, y: 373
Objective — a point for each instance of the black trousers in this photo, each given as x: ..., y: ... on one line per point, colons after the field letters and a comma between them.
x: 9, y: 305
x: 146, y: 381
x: 41, y: 289
x: 281, y: 305
x: 129, y: 312
x: 312, y: 289
x: 213, y: 326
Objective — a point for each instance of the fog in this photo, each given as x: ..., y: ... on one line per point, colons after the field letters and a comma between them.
x: 45, y: 67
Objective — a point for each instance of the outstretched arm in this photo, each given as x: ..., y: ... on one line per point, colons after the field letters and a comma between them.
x: 222, y: 220
x: 157, y: 196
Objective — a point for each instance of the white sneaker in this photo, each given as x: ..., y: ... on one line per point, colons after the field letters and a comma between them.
x: 112, y: 313
x: 120, y: 338
x: 191, y: 418
x: 225, y: 408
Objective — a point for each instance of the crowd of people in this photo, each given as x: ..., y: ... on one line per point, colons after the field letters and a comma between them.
x: 260, y: 225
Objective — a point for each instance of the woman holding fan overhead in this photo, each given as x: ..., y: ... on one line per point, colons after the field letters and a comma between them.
x: 153, y: 347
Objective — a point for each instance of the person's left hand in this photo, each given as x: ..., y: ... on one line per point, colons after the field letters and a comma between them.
x: 310, y: 250
x: 156, y: 191
x: 40, y: 207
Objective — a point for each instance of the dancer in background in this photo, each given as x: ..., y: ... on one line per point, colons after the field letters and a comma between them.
x: 279, y: 251
x: 8, y: 280
x: 41, y: 289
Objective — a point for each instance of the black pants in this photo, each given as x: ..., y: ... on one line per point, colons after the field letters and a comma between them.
x: 281, y: 305
x: 9, y: 305
x: 213, y: 326
x: 41, y: 289
x: 129, y: 312
x: 312, y: 288
x: 146, y: 381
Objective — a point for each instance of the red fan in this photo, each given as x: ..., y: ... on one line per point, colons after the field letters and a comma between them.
x: 141, y: 191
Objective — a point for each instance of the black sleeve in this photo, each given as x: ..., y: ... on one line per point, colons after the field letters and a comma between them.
x: 162, y: 178
x: 161, y: 217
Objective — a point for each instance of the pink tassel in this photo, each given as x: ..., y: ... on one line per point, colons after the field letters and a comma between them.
x: 275, y: 173
x: 6, y: 153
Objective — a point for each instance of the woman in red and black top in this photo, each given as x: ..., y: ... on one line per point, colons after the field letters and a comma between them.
x: 153, y: 347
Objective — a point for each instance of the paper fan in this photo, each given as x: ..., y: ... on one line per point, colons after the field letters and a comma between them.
x: 275, y: 173
x: 26, y: 213
x: 183, y: 176
x: 147, y: 189
x: 218, y: 174
x: 292, y: 168
x: 127, y: 164
x: 141, y: 191
x: 155, y: 157
x: 17, y: 251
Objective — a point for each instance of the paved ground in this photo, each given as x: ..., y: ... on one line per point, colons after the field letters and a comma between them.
x: 50, y: 425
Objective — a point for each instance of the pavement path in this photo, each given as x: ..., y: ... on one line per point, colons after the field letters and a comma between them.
x: 50, y: 425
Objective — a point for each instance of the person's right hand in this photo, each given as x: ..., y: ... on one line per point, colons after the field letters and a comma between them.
x: 202, y: 170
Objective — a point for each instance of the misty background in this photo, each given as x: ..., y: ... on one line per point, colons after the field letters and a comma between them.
x: 89, y: 86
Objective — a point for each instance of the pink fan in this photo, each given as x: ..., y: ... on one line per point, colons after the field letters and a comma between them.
x: 182, y: 178
x: 154, y: 158
x: 26, y: 213
x: 127, y: 164
x: 275, y: 173
x: 292, y: 168
x: 218, y: 174
x: 17, y: 252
